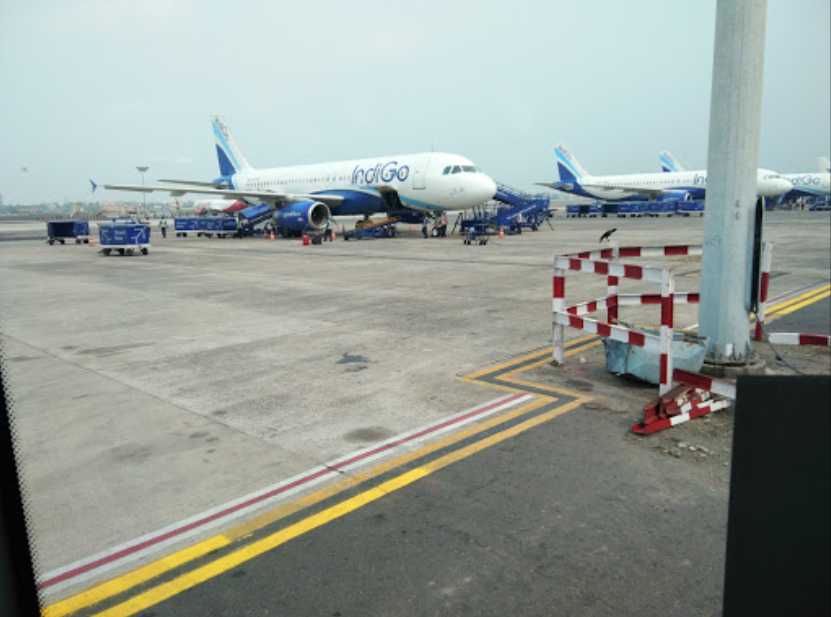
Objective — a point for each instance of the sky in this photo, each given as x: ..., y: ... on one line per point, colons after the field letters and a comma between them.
x: 91, y: 89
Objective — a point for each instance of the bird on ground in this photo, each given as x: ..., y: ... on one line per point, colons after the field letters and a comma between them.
x: 607, y: 234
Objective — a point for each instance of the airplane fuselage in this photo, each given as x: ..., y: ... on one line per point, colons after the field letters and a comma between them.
x: 691, y: 183
x: 427, y: 182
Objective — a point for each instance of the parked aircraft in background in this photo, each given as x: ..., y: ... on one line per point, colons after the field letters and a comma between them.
x: 809, y: 184
x: 663, y: 186
x: 228, y: 206
x: 409, y: 186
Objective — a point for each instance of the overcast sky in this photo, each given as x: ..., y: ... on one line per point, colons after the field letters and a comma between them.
x: 92, y: 89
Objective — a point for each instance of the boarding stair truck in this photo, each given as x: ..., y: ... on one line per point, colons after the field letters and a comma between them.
x: 252, y: 216
x: 73, y: 229
x: 124, y: 236
x: 522, y: 210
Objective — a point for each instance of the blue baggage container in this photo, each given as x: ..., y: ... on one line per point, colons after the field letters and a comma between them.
x: 124, y: 237
x: 218, y: 226
x: 183, y: 225
x: 629, y: 208
x: 61, y: 231
x: 687, y: 207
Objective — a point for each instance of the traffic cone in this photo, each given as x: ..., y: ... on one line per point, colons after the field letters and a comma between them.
x: 273, y: 235
x: 501, y: 233
x: 306, y: 240
x: 334, y: 235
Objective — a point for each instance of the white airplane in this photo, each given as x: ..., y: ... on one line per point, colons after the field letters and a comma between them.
x: 811, y: 185
x: 803, y: 185
x: 409, y: 186
x: 663, y: 186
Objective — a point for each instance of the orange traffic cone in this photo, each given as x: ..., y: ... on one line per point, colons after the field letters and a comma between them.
x: 501, y: 233
x: 306, y: 240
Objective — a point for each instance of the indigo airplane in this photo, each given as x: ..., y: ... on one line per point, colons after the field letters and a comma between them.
x: 811, y: 185
x: 803, y: 185
x: 661, y: 186
x: 408, y: 186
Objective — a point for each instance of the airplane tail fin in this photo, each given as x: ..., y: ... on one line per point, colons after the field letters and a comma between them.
x: 567, y: 166
x: 228, y: 154
x: 669, y: 162
x: 824, y: 164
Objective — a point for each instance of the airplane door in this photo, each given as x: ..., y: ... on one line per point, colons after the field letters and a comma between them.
x: 420, y: 173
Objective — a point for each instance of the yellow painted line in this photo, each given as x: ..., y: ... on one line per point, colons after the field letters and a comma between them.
x: 136, y: 577
x: 798, y: 298
x: 800, y: 305
x: 145, y: 573
x: 166, y: 590
x: 522, y: 358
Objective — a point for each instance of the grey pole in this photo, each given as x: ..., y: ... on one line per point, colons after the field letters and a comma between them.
x: 732, y: 160
x: 142, y: 169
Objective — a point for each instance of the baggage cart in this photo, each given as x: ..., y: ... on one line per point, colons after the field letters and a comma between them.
x: 124, y: 237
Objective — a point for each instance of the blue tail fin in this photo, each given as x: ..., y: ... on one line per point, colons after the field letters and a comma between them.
x: 567, y: 166
x: 228, y: 154
x: 669, y: 163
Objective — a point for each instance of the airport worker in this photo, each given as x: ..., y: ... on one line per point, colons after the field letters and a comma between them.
x: 163, y: 227
x: 424, y: 227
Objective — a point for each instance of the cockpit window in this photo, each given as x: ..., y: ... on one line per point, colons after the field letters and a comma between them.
x: 456, y: 169
x: 470, y: 168
x: 446, y: 170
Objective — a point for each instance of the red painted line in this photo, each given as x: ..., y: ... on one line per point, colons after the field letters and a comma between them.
x: 280, y: 489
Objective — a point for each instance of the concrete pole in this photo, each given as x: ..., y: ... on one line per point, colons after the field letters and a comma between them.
x: 735, y: 111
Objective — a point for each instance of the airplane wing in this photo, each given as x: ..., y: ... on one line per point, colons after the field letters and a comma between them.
x: 189, y: 182
x: 264, y: 196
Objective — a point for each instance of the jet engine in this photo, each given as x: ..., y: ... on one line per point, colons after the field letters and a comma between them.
x: 300, y: 216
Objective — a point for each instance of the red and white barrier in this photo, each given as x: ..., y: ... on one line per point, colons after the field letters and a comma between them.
x: 708, y: 384
x: 618, y: 333
x: 796, y: 338
x: 676, y: 403
x: 642, y: 251
x: 624, y: 271
x: 764, y: 283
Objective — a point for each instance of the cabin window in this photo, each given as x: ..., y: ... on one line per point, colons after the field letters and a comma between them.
x: 446, y: 171
x: 456, y: 169
x: 469, y: 168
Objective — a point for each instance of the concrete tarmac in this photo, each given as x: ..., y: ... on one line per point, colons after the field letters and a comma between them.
x: 148, y: 389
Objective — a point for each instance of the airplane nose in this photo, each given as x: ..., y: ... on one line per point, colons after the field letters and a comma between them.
x: 783, y: 186
x: 487, y: 188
